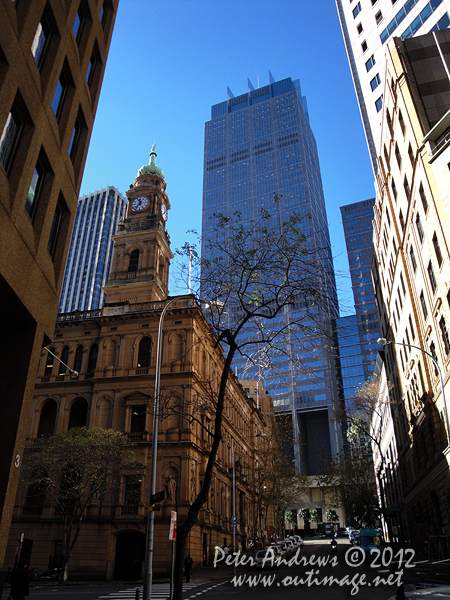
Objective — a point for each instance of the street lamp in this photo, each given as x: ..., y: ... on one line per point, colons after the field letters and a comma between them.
x: 147, y: 591
x: 385, y: 342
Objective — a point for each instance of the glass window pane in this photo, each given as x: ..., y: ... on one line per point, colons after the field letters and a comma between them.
x: 9, y: 135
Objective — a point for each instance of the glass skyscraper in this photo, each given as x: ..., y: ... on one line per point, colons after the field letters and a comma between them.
x: 90, y: 251
x: 256, y: 145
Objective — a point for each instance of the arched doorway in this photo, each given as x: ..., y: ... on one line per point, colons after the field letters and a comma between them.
x: 130, y: 555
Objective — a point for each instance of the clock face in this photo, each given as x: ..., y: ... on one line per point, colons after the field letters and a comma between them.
x: 164, y: 212
x: 140, y: 203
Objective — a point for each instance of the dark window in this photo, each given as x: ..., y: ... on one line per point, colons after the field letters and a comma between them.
x: 413, y: 333
x: 378, y: 17
x: 54, y: 231
x: 12, y: 131
x: 413, y: 258
x: 133, y: 486
x: 375, y: 82
x: 434, y: 355
x: 402, y: 221
x: 37, y: 181
x: 78, y: 24
x: 379, y: 103
x: 423, y: 198
x: 104, y: 14
x: 444, y: 333
x: 394, y: 189
x: 401, y: 122
x: 47, y: 420
x: 138, y: 418
x: 92, y: 362
x: 134, y: 261
x: 398, y: 156
x: 411, y: 154
x: 356, y: 10
x: 78, y: 414
x: 62, y: 86
x: 364, y: 46
x: 78, y: 359
x: 406, y: 188
x: 424, y: 304
x: 432, y: 277
x: 93, y: 66
x: 42, y: 37
x: 437, y: 249
x: 49, y: 358
x: 144, y: 353
x: 78, y: 128
x: 64, y: 359
x: 359, y: 28
x: 370, y: 63
x: 419, y: 227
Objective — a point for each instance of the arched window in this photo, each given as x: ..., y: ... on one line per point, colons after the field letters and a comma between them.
x: 78, y: 414
x: 47, y: 420
x: 144, y: 353
x: 92, y: 362
x: 64, y: 359
x: 49, y: 362
x: 134, y: 261
x: 78, y: 359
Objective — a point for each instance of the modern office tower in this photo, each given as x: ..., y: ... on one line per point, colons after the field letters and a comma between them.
x: 367, y: 26
x: 52, y: 59
x: 350, y: 369
x: 90, y: 252
x: 358, y: 231
x: 411, y: 272
x: 258, y: 144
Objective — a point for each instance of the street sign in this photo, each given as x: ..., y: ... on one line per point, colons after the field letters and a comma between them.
x: 173, y: 526
x: 158, y: 497
x: 234, y: 520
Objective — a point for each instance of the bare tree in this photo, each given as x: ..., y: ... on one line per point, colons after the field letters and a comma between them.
x: 249, y: 276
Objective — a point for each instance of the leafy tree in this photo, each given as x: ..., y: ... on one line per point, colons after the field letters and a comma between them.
x: 250, y: 276
x: 331, y: 516
x: 75, y: 469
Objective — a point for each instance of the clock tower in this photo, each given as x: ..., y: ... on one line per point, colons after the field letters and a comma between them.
x: 141, y: 258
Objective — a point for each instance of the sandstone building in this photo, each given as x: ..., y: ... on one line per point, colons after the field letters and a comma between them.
x: 113, y: 352
x: 52, y: 59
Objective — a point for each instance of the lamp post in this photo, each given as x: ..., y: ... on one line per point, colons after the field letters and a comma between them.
x: 385, y: 342
x: 147, y: 591
x: 234, y: 518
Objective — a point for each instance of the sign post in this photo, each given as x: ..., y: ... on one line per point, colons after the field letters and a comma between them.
x: 172, y: 538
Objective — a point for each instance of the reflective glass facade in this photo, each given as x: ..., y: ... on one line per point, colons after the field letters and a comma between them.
x: 258, y: 144
x: 358, y: 230
x: 89, y: 259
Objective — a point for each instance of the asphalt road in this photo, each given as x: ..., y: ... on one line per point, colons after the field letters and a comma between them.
x: 314, y: 574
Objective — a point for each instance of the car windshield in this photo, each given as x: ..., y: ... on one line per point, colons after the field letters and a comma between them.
x: 371, y: 540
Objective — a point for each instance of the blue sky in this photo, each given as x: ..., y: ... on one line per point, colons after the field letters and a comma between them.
x: 171, y: 60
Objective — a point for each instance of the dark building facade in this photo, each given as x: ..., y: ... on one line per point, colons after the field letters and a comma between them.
x: 52, y: 59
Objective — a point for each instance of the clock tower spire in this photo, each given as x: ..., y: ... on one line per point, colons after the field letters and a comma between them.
x: 141, y: 258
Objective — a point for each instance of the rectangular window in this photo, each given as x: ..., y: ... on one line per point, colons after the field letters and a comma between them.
x: 423, y: 304
x: 79, y: 126
x: 423, y: 198
x: 56, y: 225
x: 444, y: 333
x: 356, y: 10
x: 92, y: 67
x: 378, y: 17
x: 406, y: 187
x: 379, y: 103
x: 437, y: 249
x: 434, y: 355
x: 401, y: 122
x: 432, y: 277
x: 419, y: 227
x: 394, y: 189
x: 41, y: 40
x: 413, y: 258
x: 413, y: 333
x: 370, y: 63
x: 359, y: 28
x: 402, y: 221
x: 64, y: 81
x: 375, y: 82
x: 37, y: 181
x: 411, y: 154
x: 398, y: 156
x: 106, y: 7
x: 12, y: 132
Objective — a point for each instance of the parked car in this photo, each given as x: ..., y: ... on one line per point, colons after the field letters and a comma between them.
x: 282, y: 550
x: 265, y: 558
x: 353, y: 537
x: 290, y: 546
x: 300, y: 542
x: 431, y: 593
